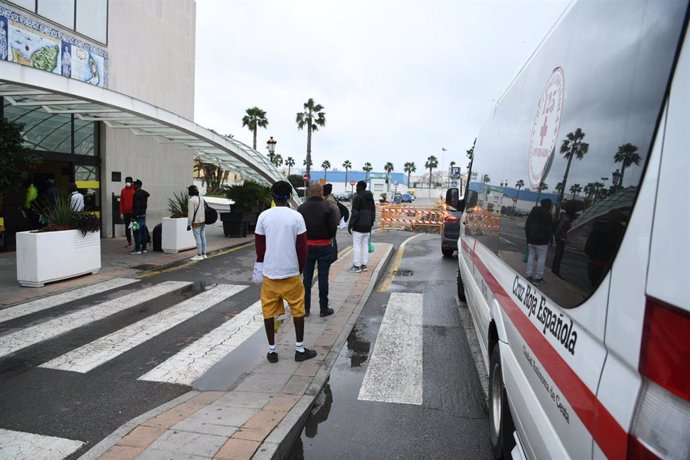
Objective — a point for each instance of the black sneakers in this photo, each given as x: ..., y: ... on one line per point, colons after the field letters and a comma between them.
x: 305, y: 355
x: 364, y: 268
x: 272, y: 357
x: 326, y: 312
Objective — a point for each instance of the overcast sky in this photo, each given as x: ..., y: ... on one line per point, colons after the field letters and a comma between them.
x: 399, y: 80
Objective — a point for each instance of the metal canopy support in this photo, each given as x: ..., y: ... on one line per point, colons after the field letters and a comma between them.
x: 55, y: 94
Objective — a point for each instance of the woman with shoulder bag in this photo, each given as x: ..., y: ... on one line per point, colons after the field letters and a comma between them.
x: 196, y: 221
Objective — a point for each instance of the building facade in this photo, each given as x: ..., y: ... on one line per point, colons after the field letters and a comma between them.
x: 144, y: 50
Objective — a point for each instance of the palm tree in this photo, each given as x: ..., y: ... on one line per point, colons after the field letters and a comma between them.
x: 572, y: 147
x: 304, y: 163
x: 278, y: 160
x: 559, y: 187
x: 348, y: 166
x: 518, y: 185
x: 575, y: 189
x: 388, y: 167
x: 255, y: 119
x: 450, y: 169
x: 326, y: 165
x: 409, y: 168
x: 289, y: 162
x: 367, y: 168
x: 312, y: 117
x: 431, y: 163
x: 626, y: 154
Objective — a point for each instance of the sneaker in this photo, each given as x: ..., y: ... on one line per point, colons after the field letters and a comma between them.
x: 305, y: 355
x: 364, y: 268
x: 354, y: 269
x: 144, y: 251
x: 198, y: 258
x: 204, y: 256
x: 135, y: 252
x: 326, y: 312
x: 272, y: 357
x: 538, y: 281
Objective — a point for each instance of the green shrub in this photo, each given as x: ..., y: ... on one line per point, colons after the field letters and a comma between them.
x: 177, y: 205
x: 248, y: 196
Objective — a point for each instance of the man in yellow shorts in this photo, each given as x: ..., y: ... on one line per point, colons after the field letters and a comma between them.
x: 281, y: 253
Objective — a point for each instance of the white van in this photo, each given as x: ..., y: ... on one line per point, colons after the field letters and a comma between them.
x: 588, y: 353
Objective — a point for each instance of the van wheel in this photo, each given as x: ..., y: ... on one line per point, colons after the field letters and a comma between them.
x: 500, y: 421
x: 461, y: 288
x: 447, y: 252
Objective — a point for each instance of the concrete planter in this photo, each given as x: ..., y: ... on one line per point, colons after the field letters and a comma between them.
x: 175, y: 237
x: 44, y: 257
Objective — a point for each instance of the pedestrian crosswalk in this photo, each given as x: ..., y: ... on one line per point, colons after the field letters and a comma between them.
x: 20, y: 445
x: 182, y: 368
x: 92, y: 355
x: 395, y: 370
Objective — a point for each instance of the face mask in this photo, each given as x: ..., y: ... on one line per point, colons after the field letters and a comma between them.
x: 128, y: 184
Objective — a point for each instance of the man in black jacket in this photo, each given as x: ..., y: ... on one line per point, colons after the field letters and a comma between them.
x: 361, y: 222
x: 321, y: 228
x: 539, y: 231
x: 141, y: 232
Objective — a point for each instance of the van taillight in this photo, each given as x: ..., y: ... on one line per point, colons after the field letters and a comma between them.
x: 661, y: 427
x: 451, y: 219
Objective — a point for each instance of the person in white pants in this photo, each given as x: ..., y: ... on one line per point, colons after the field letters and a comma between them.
x: 360, y: 224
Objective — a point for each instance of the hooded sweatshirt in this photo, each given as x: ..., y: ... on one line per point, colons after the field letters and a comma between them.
x: 139, y: 202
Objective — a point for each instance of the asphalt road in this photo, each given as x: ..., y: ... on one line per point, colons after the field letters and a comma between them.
x: 446, y: 416
x: 89, y: 406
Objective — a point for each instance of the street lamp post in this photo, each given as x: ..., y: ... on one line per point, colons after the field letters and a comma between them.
x: 271, y: 146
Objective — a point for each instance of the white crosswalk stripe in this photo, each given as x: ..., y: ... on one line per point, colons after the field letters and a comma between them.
x: 192, y: 362
x: 20, y: 445
x: 11, y: 343
x: 394, y: 373
x: 44, y: 303
x: 100, y: 351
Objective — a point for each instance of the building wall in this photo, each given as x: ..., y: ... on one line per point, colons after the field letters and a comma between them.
x: 151, y: 50
x: 151, y: 47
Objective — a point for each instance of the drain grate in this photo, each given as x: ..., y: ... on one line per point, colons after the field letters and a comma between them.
x: 403, y: 273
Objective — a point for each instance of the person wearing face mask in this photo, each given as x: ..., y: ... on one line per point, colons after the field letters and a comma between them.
x: 126, y: 198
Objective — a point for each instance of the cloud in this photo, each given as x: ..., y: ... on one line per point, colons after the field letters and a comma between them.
x: 399, y: 79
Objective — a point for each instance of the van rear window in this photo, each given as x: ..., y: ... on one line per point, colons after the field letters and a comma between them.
x: 561, y: 158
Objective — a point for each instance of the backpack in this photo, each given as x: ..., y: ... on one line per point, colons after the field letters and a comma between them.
x: 210, y: 214
x: 344, y: 212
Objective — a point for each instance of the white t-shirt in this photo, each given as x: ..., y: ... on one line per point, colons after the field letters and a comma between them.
x: 280, y: 225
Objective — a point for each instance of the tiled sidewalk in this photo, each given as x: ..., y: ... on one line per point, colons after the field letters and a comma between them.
x: 263, y: 414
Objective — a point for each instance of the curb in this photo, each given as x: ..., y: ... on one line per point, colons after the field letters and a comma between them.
x: 279, y: 443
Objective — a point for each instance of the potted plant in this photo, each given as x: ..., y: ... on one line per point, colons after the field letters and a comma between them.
x: 250, y: 199
x: 174, y: 234
x: 69, y: 245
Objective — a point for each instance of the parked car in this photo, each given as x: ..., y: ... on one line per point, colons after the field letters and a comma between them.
x: 450, y: 230
x: 343, y: 196
x: 406, y: 198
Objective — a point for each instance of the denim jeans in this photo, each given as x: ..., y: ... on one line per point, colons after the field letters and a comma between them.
x: 323, y: 256
x: 200, y: 237
x: 141, y: 236
x: 537, y: 253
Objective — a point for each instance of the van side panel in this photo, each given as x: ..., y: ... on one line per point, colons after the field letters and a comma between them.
x: 669, y: 268
x: 620, y: 382
x: 574, y: 130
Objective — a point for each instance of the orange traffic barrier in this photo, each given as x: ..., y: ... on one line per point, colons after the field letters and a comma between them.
x: 412, y: 218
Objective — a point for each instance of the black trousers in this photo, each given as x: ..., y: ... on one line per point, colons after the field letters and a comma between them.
x: 128, y: 231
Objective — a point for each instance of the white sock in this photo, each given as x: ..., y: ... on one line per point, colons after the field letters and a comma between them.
x: 299, y: 346
x: 272, y: 349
